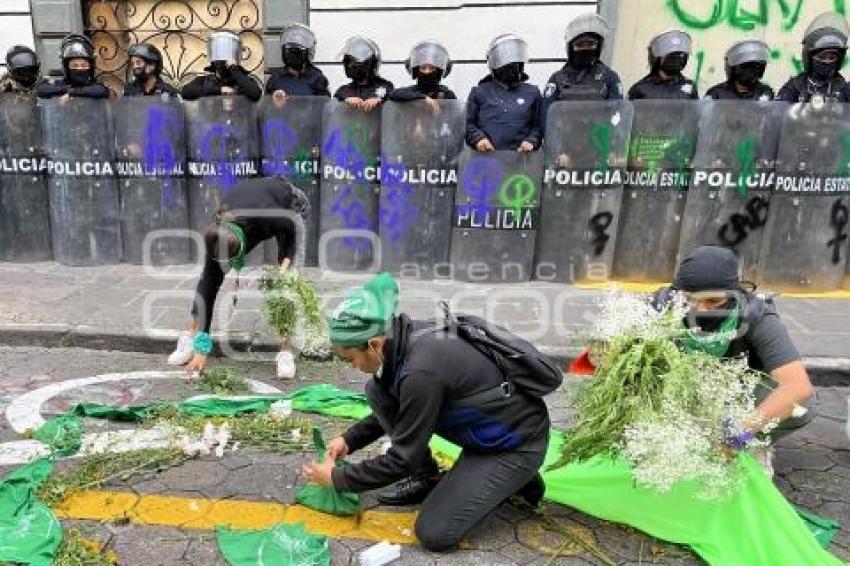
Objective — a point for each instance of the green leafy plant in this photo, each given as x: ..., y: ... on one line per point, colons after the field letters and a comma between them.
x: 293, y: 309
x: 77, y: 550
x: 222, y: 381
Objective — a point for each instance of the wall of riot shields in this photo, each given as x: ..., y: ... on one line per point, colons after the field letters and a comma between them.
x: 619, y: 191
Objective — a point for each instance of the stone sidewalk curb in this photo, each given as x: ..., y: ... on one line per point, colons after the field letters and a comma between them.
x: 824, y: 372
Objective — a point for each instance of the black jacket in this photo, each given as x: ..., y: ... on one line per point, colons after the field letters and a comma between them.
x: 430, y: 375
x: 160, y: 88
x: 267, y: 194
x: 727, y: 91
x: 505, y: 116
x: 379, y: 87
x: 801, y: 89
x: 653, y: 87
x: 210, y: 85
x: 312, y: 82
x: 415, y: 92
x: 597, y: 83
x: 58, y: 87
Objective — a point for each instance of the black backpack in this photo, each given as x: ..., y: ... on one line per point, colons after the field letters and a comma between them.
x: 524, y: 367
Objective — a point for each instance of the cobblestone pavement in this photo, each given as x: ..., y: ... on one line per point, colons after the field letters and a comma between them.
x: 812, y: 469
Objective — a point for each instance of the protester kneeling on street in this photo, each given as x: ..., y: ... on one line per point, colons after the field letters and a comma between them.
x: 428, y: 380
x: 728, y: 319
x: 253, y: 211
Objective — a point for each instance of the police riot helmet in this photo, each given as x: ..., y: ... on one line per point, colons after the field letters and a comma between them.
x: 587, y: 24
x: 23, y: 64
x: 506, y: 49
x: 76, y: 46
x: 827, y: 31
x: 299, y: 36
x: 361, y: 53
x: 747, y: 51
x: 224, y: 46
x: 429, y: 52
x: 666, y: 43
x: 149, y: 54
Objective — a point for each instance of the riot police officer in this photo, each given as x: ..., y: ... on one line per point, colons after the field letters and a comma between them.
x: 22, y: 74
x: 824, y: 50
x: 746, y: 62
x: 77, y: 55
x: 361, y: 59
x: 299, y: 76
x: 503, y: 111
x: 224, y: 74
x: 146, y: 68
x: 584, y: 76
x: 428, y: 64
x: 668, y: 57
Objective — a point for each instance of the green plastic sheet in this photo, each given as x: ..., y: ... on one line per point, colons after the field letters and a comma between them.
x: 29, y: 532
x: 281, y: 545
x: 63, y: 434
x: 326, y: 498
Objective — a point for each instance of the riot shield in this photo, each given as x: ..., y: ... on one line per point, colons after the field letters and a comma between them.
x: 732, y: 178
x: 223, y: 149
x: 497, y: 210
x: 661, y: 147
x: 420, y: 146
x: 24, y: 209
x: 84, y: 211
x: 585, y: 152
x: 805, y: 240
x: 350, y: 188
x: 150, y: 145
x: 291, y: 138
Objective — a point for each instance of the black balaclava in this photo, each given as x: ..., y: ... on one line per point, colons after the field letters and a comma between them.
x: 357, y: 71
x: 825, y: 71
x: 584, y: 58
x: 674, y: 64
x: 509, y: 75
x: 748, y: 74
x: 295, y: 58
x: 18, y: 61
x: 709, y: 268
x: 428, y: 81
x: 78, y: 78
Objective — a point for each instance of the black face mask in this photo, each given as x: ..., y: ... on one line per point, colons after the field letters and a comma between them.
x: 295, y: 58
x: 139, y: 74
x: 78, y: 78
x: 583, y: 59
x: 428, y: 82
x: 824, y: 71
x: 748, y: 74
x: 26, y: 77
x: 220, y: 69
x: 357, y: 72
x: 674, y: 64
x: 509, y: 75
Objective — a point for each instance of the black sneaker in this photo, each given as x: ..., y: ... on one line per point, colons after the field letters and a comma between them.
x: 409, y: 491
x: 533, y: 491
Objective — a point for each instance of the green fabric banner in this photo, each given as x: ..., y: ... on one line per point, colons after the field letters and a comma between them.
x: 29, y: 532
x: 326, y: 498
x: 281, y: 545
x: 63, y: 434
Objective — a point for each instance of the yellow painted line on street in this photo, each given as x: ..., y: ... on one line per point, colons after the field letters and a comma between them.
x: 206, y: 514
x: 632, y: 287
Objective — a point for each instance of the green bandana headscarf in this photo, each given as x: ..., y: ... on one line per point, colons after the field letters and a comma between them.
x: 715, y: 343
x: 237, y: 262
x: 365, y: 313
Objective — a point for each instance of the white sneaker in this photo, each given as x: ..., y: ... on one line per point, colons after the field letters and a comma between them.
x: 285, y: 365
x: 183, y: 353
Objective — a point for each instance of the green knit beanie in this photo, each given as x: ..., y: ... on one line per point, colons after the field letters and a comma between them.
x: 365, y: 313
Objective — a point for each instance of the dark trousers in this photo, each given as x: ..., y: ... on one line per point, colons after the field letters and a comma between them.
x: 471, y: 491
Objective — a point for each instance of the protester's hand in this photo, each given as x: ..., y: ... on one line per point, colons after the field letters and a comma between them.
x: 484, y: 146
x: 337, y: 448
x: 279, y: 98
x: 284, y: 265
x: 370, y: 104
x: 525, y: 147
x: 227, y: 90
x: 320, y: 473
x: 353, y: 101
x: 196, y: 364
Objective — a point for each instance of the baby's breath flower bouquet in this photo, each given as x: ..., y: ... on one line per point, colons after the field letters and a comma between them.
x: 293, y: 309
x: 666, y: 411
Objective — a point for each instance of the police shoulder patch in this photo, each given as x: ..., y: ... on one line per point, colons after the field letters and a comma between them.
x: 381, y: 92
x: 549, y: 90
x: 687, y: 88
x: 520, y: 101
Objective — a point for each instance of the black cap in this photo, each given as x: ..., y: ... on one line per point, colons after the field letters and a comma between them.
x: 708, y: 268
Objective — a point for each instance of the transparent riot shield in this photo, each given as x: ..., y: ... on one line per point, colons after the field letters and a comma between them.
x: 291, y: 140
x: 497, y: 212
x: 420, y: 145
x: 150, y: 144
x: 585, y: 152
x: 350, y: 188
x: 24, y: 209
x: 84, y: 206
x: 223, y: 149
x: 661, y: 147
x: 729, y: 196
x: 805, y: 240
